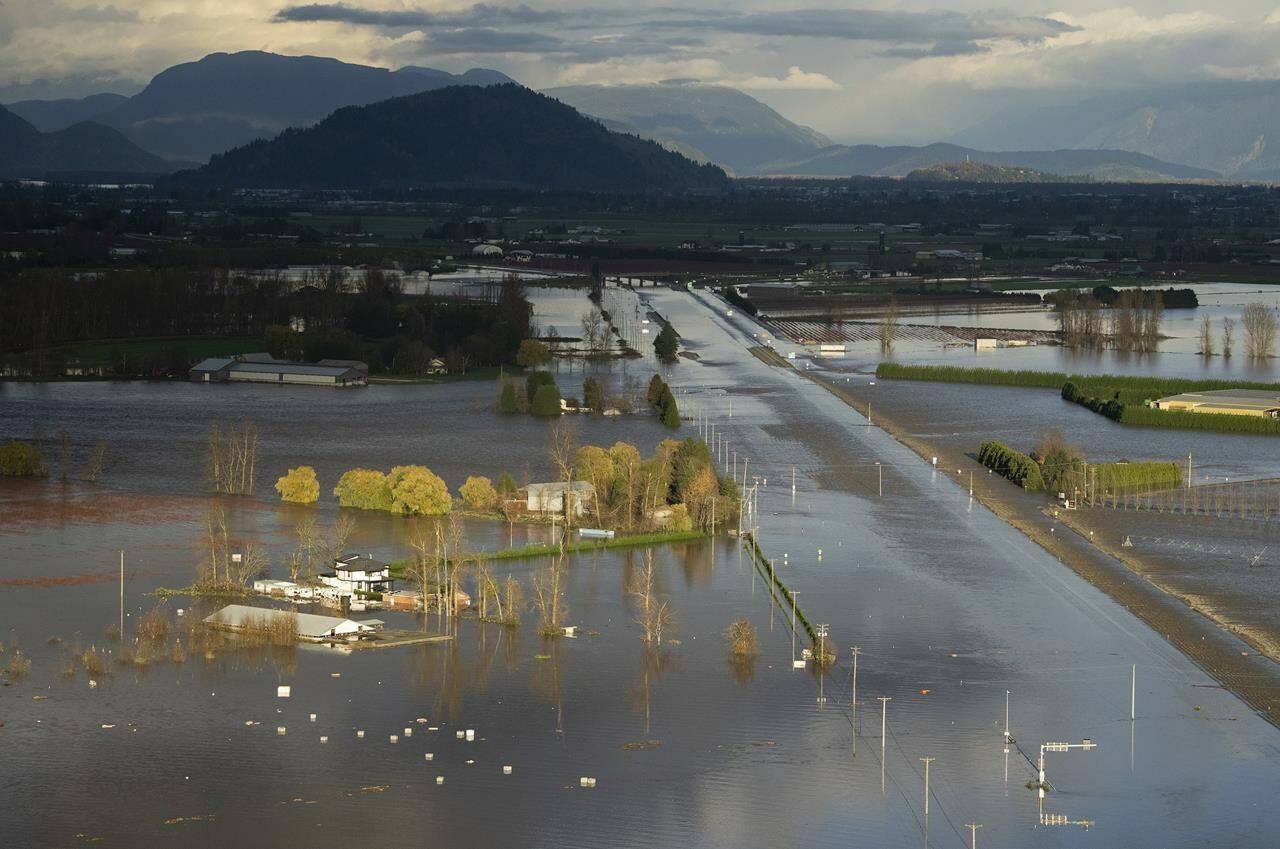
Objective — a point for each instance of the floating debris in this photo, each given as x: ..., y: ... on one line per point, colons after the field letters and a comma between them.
x: 360, y: 734
x: 471, y: 735
x: 108, y: 725
x: 586, y: 781
x: 280, y: 730
x: 324, y: 739
x: 430, y: 756
x: 439, y: 779
x: 641, y: 744
x: 506, y: 769
x: 376, y: 788
x: 408, y: 732
x: 394, y: 739
x: 196, y: 818
x: 283, y: 691
x: 422, y: 720
x: 313, y: 717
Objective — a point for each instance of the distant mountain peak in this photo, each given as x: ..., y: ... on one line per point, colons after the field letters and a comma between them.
x: 83, y: 147
x: 706, y: 121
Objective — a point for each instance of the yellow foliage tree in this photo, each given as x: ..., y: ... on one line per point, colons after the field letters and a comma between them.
x: 417, y: 491
x: 299, y: 486
x: 478, y: 494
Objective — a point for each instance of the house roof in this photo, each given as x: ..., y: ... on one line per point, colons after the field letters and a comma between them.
x: 309, y: 624
x: 1246, y: 399
x: 213, y: 364
x: 560, y: 486
x: 359, y: 563
x: 291, y: 368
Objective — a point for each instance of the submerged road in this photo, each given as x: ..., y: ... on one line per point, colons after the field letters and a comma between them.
x: 952, y: 606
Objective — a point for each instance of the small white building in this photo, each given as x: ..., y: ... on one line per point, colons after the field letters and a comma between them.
x: 550, y: 497
x: 357, y: 574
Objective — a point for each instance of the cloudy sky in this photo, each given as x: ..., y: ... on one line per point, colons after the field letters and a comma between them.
x: 863, y: 71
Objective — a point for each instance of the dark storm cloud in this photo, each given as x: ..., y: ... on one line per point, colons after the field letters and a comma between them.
x: 874, y: 25
x: 481, y: 40
x: 942, y: 48
x: 481, y: 14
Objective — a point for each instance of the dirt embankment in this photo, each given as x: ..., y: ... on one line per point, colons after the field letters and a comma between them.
x: 1196, y: 627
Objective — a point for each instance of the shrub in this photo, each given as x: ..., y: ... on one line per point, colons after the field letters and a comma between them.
x: 299, y: 486
x: 506, y: 484
x: 533, y: 353
x: 1011, y: 464
x: 546, y: 401
x: 666, y: 344
x: 742, y: 638
x: 478, y: 494
x: 417, y: 491
x: 535, y: 381
x: 680, y: 521
x: 364, y: 489
x: 593, y: 395
x: 654, y: 392
x: 507, y: 401
x: 21, y: 459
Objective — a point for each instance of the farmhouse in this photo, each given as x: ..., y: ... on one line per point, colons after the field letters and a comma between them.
x: 242, y: 617
x: 355, y: 574
x: 1237, y: 402
x: 263, y: 368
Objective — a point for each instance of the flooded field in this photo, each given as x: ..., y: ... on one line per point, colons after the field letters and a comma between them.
x: 950, y: 606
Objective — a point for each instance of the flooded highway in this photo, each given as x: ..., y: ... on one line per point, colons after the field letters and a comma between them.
x: 950, y: 607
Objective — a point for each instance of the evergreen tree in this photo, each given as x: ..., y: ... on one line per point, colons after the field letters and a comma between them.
x: 666, y: 344
x: 507, y: 403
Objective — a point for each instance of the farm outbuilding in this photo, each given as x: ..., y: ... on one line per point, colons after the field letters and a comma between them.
x: 310, y: 626
x: 1237, y: 402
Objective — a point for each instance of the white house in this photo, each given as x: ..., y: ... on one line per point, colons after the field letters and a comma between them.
x: 358, y: 573
x: 550, y: 497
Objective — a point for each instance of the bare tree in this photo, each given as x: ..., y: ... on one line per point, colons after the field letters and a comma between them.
x: 232, y: 458
x: 1228, y: 335
x: 653, y: 615
x: 96, y: 461
x: 548, y: 597
x: 889, y: 326
x: 64, y: 455
x: 1206, y: 336
x: 563, y: 448
x: 340, y: 534
x: 1259, y: 330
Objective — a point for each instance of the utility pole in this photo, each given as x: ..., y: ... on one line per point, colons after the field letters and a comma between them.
x: 1133, y: 692
x: 744, y: 471
x: 926, y: 762
x: 884, y: 713
x: 794, y: 593
x: 1188, y: 470
x: 822, y: 630
x: 973, y: 833
x: 122, y: 594
x: 1007, y: 738
x: 868, y: 414
x: 880, y: 473
x: 853, y: 702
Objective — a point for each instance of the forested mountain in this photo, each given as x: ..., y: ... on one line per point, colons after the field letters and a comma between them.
x: 191, y: 111
x: 1230, y: 127
x: 83, y: 147
x: 871, y: 160
x: 708, y: 123
x: 459, y: 136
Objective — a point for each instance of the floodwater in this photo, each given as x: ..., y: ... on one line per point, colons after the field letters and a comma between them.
x: 951, y: 609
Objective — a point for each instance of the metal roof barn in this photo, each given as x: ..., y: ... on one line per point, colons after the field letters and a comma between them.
x: 311, y: 626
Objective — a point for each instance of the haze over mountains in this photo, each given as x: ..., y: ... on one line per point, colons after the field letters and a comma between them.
x: 82, y: 147
x: 479, y: 137
x: 709, y: 123
x: 194, y: 110
x: 1229, y: 127
x: 899, y: 161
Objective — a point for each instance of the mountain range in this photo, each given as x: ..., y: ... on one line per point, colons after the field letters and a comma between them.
x: 1229, y: 127
x: 707, y: 123
x: 82, y: 147
x: 871, y: 160
x: 191, y: 111
x: 470, y: 136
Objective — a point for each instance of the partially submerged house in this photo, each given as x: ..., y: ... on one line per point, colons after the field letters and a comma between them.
x: 359, y: 575
x: 310, y: 626
x: 263, y: 368
x: 554, y: 497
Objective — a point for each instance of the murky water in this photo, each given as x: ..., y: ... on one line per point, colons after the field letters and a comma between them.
x: 950, y: 607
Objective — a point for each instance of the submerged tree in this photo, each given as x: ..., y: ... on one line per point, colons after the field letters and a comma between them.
x: 888, y: 330
x: 1206, y: 336
x: 299, y: 486
x: 1259, y: 330
x: 653, y: 614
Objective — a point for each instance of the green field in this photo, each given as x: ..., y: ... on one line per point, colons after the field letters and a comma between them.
x: 197, y: 347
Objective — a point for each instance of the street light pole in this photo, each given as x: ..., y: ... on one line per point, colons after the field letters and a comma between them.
x: 884, y: 713
x: 853, y: 704
x: 973, y: 833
